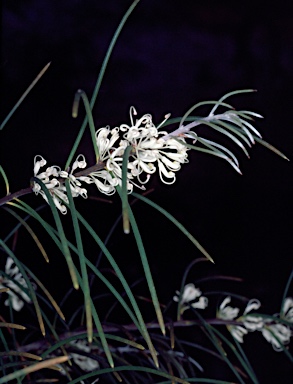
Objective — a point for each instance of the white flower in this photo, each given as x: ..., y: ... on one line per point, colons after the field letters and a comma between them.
x: 287, y: 310
x: 87, y: 364
x: 189, y: 294
x: 248, y: 322
x: 149, y: 147
x: 17, y: 295
x: 51, y: 178
x: 226, y: 312
x: 277, y: 334
x: 252, y: 322
x: 107, y: 179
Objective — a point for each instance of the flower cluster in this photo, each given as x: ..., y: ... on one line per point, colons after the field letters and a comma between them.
x: 274, y: 331
x: 14, y: 280
x: 149, y: 152
x: 191, y: 297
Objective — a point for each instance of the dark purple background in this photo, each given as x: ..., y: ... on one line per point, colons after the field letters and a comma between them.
x: 170, y: 55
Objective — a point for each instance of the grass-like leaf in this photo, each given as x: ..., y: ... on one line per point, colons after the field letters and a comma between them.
x: 28, y: 283
x: 129, y: 368
x: 124, y: 284
x: 124, y: 197
x: 30, y: 231
x: 33, y: 368
x: 46, y: 292
x: 229, y: 94
x: 24, y: 95
x: 175, y: 222
x: 11, y: 325
x: 99, y: 80
x: 61, y: 233
x: 81, y: 94
x: 84, y: 274
x: 5, y: 179
x: 147, y: 270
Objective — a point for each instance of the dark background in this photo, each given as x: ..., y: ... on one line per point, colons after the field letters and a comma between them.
x: 170, y: 55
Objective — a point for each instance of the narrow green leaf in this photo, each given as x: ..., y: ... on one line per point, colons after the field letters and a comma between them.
x: 100, y: 78
x: 24, y: 95
x: 229, y: 95
x: 5, y: 179
x: 216, y: 103
x: 62, y: 236
x: 30, y: 231
x: 124, y: 284
x: 210, y: 332
x: 271, y: 147
x: 84, y: 274
x: 124, y: 197
x: 242, y: 361
x: 147, y: 270
x: 129, y: 368
x: 81, y: 94
x: 46, y: 292
x: 32, y: 368
x: 11, y: 325
x: 28, y: 283
x: 82, y: 336
x: 175, y: 222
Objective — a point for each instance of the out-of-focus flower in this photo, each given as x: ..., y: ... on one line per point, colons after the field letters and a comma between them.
x: 252, y: 322
x: 277, y: 334
x: 226, y: 312
x: 86, y: 363
x: 17, y: 296
x: 287, y: 310
x: 248, y: 322
x: 192, y: 297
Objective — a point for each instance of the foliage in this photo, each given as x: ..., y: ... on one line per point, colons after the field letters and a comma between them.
x: 141, y: 344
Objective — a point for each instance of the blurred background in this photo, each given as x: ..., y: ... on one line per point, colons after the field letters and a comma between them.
x: 169, y: 56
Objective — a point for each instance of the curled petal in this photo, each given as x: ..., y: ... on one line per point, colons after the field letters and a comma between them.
x: 202, y: 303
x: 277, y: 334
x: 38, y: 164
x: 287, y: 310
x: 79, y: 163
x: 238, y: 332
x: 253, y: 304
x: 226, y: 312
x: 163, y: 172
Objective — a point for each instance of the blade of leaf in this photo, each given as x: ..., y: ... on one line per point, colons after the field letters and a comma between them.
x: 29, y: 285
x: 100, y: 78
x: 229, y: 94
x: 5, y: 179
x: 124, y: 284
x: 124, y: 198
x: 147, y: 270
x: 46, y: 292
x: 84, y: 274
x: 128, y: 368
x: 30, y: 231
x: 81, y: 94
x: 32, y: 368
x: 175, y: 222
x: 62, y: 236
x: 24, y: 95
